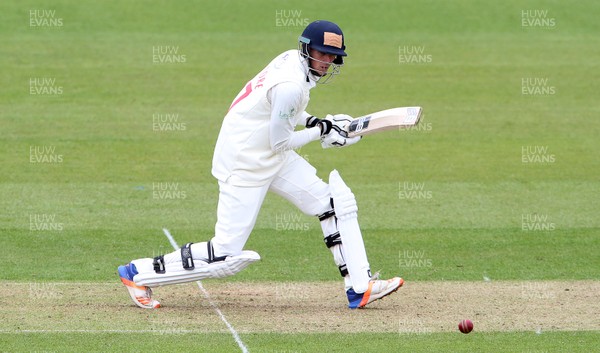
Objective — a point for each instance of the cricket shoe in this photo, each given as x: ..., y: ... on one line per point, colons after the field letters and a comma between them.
x: 141, y: 295
x: 377, y: 290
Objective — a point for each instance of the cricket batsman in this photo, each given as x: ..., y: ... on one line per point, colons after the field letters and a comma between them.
x: 255, y: 154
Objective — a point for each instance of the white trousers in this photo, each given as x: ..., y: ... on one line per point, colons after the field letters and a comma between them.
x: 238, y: 209
x: 238, y: 206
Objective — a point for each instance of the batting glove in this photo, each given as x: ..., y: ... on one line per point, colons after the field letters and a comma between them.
x: 340, y: 122
x: 335, y: 139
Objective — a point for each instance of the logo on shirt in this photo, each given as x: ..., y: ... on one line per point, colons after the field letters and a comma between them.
x: 291, y: 114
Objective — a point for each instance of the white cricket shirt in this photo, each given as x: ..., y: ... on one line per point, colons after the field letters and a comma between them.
x: 257, y: 133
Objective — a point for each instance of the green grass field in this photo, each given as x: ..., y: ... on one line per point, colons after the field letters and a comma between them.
x: 499, y: 183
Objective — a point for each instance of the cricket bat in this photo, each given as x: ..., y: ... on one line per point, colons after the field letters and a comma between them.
x: 388, y: 119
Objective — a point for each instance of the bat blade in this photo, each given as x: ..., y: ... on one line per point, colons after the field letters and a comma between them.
x: 384, y: 120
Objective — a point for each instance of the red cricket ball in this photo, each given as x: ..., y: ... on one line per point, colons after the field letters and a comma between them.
x: 465, y: 326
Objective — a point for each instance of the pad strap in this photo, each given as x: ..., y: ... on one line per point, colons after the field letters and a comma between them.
x: 211, y: 254
x: 333, y: 239
x: 186, y: 257
x: 327, y: 214
x: 343, y: 270
x: 159, y: 264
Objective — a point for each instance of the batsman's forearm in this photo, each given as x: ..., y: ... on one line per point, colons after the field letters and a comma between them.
x: 304, y: 118
x: 298, y: 139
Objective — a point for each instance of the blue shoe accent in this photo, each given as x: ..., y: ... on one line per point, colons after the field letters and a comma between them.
x: 128, y: 271
x: 354, y: 298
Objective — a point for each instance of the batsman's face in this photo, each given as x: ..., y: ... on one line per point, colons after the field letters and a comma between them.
x: 320, y: 61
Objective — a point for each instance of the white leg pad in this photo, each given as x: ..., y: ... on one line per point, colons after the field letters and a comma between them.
x: 219, y: 269
x: 352, y: 241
